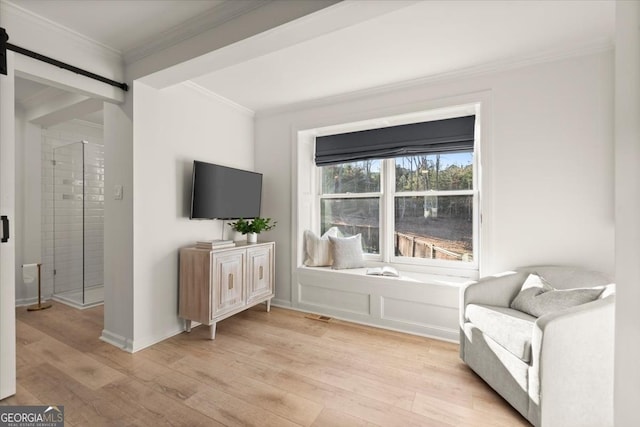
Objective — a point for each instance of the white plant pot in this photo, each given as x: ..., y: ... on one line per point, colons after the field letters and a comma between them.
x: 252, y: 237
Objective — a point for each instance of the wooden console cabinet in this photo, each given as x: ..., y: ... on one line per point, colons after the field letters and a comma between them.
x: 218, y: 283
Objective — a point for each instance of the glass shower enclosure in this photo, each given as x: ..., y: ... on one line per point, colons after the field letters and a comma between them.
x: 78, y: 224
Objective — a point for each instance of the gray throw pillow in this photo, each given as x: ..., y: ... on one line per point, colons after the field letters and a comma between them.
x: 537, y: 297
x: 347, y: 252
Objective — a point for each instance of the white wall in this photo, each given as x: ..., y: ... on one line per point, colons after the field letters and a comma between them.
x: 118, y: 226
x: 173, y: 127
x: 28, y: 204
x: 627, y: 129
x: 552, y: 165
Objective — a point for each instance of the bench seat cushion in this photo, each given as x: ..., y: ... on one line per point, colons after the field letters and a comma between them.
x: 510, y: 328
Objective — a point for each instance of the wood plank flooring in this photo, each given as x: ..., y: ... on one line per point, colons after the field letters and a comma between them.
x: 263, y: 369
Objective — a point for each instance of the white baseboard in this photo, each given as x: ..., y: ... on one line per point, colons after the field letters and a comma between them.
x: 29, y: 301
x: 141, y: 344
x: 117, y: 341
x: 441, y: 335
x: 280, y: 303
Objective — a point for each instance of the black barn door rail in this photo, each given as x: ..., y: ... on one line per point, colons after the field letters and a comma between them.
x: 4, y: 46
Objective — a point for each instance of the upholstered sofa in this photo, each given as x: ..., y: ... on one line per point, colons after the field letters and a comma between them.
x: 556, y: 369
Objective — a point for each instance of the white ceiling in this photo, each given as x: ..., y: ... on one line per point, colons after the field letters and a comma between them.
x: 31, y: 96
x: 428, y: 38
x: 26, y: 90
x: 420, y: 40
x: 96, y: 117
x: 120, y: 25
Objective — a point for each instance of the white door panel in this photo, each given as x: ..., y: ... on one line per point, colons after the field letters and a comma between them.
x: 7, y: 249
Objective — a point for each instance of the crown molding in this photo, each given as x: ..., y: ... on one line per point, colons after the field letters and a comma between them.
x: 598, y: 46
x: 13, y: 11
x: 210, y: 94
x: 205, y: 21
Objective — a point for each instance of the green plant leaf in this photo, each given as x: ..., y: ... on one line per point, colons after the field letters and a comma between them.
x: 257, y: 225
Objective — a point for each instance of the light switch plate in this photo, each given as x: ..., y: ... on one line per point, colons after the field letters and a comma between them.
x: 117, y: 192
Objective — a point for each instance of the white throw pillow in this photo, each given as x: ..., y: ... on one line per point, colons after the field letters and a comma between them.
x: 537, y: 297
x: 317, y: 250
x: 347, y: 252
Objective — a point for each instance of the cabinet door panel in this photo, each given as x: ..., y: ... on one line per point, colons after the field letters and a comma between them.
x: 228, y: 281
x: 259, y: 272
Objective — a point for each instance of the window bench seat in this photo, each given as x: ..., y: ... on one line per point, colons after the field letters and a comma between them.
x: 417, y: 303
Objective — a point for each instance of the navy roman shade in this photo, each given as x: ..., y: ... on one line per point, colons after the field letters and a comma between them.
x: 439, y: 136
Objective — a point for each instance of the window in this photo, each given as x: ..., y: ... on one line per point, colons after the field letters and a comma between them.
x: 414, y: 209
x: 433, y: 206
x: 351, y: 197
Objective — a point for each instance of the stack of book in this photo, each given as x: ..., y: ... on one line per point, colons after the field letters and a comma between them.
x: 215, y: 244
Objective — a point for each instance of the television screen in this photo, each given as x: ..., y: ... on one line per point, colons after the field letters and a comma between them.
x: 221, y: 192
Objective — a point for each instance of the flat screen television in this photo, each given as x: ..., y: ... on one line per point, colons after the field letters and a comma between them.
x: 221, y: 192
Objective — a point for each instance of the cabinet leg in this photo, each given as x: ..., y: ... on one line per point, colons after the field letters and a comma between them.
x: 187, y: 325
x: 212, y: 331
x: 268, y: 305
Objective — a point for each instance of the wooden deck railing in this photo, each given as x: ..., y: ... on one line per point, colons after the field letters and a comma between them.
x: 418, y: 246
x: 409, y: 245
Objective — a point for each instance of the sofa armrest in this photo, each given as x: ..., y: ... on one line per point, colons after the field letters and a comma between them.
x: 572, y: 366
x: 496, y: 290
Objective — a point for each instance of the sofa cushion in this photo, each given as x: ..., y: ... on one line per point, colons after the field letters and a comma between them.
x: 537, y: 297
x: 510, y: 328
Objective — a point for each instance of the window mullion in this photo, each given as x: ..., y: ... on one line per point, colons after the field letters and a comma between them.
x: 387, y: 211
x: 317, y: 208
x: 436, y: 193
x: 349, y: 195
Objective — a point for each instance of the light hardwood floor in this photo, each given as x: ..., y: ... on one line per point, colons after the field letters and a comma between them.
x: 263, y: 369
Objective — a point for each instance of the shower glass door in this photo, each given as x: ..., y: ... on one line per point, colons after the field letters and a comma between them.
x: 68, y: 223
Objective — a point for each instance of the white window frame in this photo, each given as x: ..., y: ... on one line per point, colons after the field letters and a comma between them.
x: 379, y: 195
x: 390, y: 223
x: 388, y: 194
x: 386, y: 219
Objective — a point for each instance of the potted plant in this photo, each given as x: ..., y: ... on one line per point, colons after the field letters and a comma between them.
x: 253, y: 228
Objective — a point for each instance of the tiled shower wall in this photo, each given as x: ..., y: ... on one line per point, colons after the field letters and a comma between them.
x: 65, y: 224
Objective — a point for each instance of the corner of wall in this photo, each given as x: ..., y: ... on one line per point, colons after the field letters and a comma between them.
x: 118, y: 226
